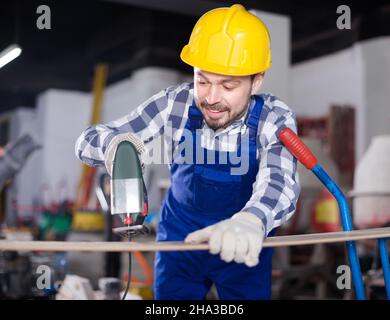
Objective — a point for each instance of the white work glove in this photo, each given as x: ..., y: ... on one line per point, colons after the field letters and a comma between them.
x: 111, y: 148
x: 239, y: 238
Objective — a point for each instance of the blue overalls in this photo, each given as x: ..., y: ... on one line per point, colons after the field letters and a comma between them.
x: 201, y: 195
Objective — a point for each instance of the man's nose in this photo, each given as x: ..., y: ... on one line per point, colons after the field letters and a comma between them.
x: 213, y: 95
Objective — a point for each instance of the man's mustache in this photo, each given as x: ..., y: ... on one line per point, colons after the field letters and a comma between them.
x: 214, y: 107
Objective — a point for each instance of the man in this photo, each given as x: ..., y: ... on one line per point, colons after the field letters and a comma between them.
x: 229, y: 49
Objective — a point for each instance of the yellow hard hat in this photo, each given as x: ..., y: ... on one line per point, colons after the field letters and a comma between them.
x: 229, y: 41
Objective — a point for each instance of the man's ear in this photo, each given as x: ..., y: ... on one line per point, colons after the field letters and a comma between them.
x: 257, y: 82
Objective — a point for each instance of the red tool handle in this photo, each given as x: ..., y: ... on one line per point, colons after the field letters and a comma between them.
x: 298, y: 148
x: 146, y: 209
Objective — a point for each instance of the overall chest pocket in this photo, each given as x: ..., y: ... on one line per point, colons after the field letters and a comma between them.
x: 216, y: 193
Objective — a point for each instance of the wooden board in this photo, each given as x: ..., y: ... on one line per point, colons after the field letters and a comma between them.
x: 294, y: 240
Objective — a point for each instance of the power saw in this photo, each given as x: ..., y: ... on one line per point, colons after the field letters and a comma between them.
x: 129, y: 197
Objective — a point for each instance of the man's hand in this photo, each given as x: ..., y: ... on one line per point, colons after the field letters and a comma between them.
x: 110, y: 151
x: 239, y: 238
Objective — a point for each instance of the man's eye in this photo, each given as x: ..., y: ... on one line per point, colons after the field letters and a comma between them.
x: 202, y: 82
x: 228, y: 88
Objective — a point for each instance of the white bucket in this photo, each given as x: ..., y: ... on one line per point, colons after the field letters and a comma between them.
x: 371, y: 204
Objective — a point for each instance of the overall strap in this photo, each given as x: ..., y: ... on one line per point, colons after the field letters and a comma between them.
x: 195, y: 117
x: 253, y: 118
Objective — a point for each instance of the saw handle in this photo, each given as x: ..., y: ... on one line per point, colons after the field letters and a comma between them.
x: 297, y: 148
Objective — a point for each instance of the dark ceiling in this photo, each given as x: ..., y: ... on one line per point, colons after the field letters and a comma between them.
x: 129, y: 34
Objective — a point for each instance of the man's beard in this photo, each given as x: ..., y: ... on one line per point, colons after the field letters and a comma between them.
x: 224, y: 122
x: 215, y: 124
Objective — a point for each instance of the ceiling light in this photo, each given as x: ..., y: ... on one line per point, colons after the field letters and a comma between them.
x: 9, y: 54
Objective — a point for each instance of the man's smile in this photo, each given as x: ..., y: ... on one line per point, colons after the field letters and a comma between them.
x: 215, y: 114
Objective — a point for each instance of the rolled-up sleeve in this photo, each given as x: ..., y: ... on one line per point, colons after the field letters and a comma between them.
x: 276, y: 189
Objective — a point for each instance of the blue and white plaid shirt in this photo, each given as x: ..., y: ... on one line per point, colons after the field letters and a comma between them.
x: 276, y: 189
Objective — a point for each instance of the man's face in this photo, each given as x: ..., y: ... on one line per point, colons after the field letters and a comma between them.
x: 222, y: 99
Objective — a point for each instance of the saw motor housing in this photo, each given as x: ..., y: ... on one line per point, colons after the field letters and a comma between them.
x: 128, y: 191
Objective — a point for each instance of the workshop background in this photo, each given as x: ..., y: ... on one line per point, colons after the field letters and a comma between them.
x: 101, y: 59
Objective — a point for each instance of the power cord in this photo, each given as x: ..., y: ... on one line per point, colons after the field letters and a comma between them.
x: 129, y: 274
